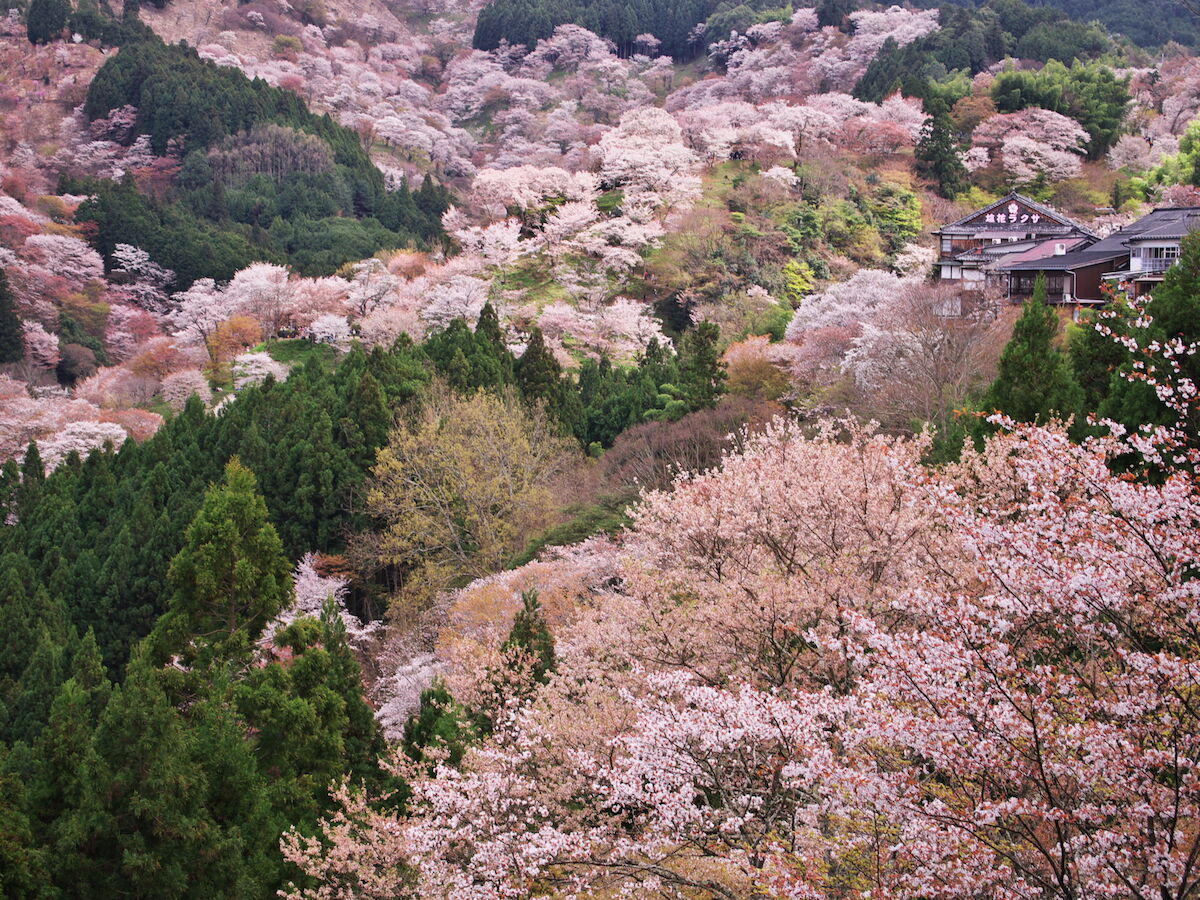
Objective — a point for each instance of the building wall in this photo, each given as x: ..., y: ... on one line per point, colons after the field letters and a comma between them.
x: 1153, y: 256
x: 1087, y: 279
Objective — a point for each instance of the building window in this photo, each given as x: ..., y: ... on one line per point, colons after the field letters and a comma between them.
x: 1157, y: 252
x: 1022, y: 285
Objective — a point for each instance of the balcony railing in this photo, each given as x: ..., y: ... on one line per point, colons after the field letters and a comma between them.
x: 1152, y: 266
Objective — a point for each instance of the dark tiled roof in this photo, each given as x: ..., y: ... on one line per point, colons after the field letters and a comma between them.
x: 1065, y: 262
x: 1027, y: 228
x: 1070, y: 224
x: 1174, y: 223
x: 1171, y: 223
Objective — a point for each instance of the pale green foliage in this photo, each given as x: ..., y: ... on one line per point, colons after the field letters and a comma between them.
x: 461, y: 488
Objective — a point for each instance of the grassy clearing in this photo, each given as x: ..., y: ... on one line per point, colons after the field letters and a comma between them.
x: 297, y: 352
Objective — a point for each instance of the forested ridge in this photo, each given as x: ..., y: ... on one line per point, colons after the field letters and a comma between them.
x: 1147, y: 24
x: 262, y: 177
x: 522, y: 22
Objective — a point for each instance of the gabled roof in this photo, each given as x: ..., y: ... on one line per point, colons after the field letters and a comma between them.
x: 1162, y: 224
x: 1169, y: 223
x: 1043, y: 250
x: 992, y: 252
x: 1013, y: 196
x: 1065, y: 262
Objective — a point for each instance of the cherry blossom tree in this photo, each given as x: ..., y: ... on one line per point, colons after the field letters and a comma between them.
x: 645, y: 153
x: 126, y: 328
x: 848, y: 303
x: 1133, y: 153
x: 371, y: 286
x: 312, y: 591
x: 359, y: 855
x: 139, y: 424
x: 387, y: 323
x: 330, y: 329
x: 263, y: 291
x: 81, y: 438
x: 914, y: 260
x: 526, y: 187
x: 460, y: 297
x: 569, y: 47
x: 566, y: 222
x: 498, y: 243
x: 115, y: 387
x: 864, y: 135
x: 69, y: 257
x: 926, y: 354
x: 178, y: 387
x: 146, y: 281
x: 872, y: 28
x: 199, y: 311
x: 1033, y: 142
x: 24, y: 417
x: 41, y: 347
x: 1026, y: 159
x: 254, y: 368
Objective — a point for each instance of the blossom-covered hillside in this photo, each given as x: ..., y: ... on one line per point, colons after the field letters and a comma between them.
x: 536, y: 448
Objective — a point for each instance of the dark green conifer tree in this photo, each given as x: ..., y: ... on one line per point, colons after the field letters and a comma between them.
x: 12, y: 336
x: 834, y: 12
x: 140, y: 828
x: 245, y: 859
x: 538, y: 373
x: 88, y: 671
x: 458, y: 370
x: 1034, y: 381
x: 231, y: 576
x: 440, y: 723
x: 23, y: 872
x: 64, y: 762
x: 33, y: 475
x: 530, y: 637
x: 38, y: 686
x: 1095, y: 357
x: 367, y: 422
x: 311, y: 723
x: 46, y: 20
x: 937, y: 156
x: 701, y: 371
x: 488, y: 326
x: 20, y: 615
x: 252, y: 449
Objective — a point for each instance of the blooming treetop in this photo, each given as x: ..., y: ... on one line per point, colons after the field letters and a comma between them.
x: 645, y: 154
x: 148, y: 282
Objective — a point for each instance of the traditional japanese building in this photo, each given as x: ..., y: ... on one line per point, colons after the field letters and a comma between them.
x: 1134, y: 258
x: 971, y: 248
x: 1074, y: 271
x: 1154, y: 245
